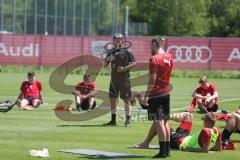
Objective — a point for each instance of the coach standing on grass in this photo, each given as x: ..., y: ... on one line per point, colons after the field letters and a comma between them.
x: 157, y: 96
x: 121, y: 61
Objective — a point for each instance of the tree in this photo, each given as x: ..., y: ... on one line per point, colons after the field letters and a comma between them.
x: 173, y: 17
x: 224, y: 16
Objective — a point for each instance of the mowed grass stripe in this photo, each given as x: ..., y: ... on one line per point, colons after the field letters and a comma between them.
x: 21, y: 131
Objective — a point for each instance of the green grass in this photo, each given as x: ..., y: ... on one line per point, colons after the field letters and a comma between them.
x: 21, y: 131
x: 10, y: 68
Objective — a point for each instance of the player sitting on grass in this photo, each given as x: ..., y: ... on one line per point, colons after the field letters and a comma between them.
x: 205, y: 96
x: 84, y: 93
x: 206, y: 139
x: 232, y: 125
x: 30, y: 93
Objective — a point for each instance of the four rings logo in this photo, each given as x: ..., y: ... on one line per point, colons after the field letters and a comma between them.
x: 192, y: 54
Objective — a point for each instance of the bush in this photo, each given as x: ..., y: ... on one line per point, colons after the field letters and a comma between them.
x: 107, y: 72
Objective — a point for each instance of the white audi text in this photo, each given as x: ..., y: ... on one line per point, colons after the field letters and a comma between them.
x: 235, y: 54
x: 31, y: 50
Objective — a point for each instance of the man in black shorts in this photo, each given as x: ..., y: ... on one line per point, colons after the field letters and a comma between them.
x: 157, y: 96
x: 84, y: 93
x: 182, y: 131
x: 121, y: 61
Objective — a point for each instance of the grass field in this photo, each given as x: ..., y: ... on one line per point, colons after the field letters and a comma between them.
x: 21, y: 130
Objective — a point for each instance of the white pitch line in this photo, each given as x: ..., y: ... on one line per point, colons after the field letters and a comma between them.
x: 228, y: 100
x: 174, y: 109
x: 177, y: 109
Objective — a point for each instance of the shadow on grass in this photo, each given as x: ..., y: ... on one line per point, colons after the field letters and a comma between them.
x: 87, y: 125
x: 200, y: 112
x: 236, y: 141
x: 94, y: 157
x: 102, y: 157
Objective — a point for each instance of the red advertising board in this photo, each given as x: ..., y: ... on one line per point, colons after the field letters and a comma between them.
x: 189, y: 53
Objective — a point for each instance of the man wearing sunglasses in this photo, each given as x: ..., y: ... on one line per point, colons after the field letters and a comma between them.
x: 121, y: 61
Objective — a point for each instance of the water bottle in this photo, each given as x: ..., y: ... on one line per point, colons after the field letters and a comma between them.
x: 34, y: 153
x: 44, y: 152
x: 40, y: 153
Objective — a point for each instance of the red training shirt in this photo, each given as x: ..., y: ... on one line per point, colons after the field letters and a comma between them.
x: 210, y: 90
x: 85, y: 88
x: 162, y: 65
x: 33, y: 89
x: 205, y: 136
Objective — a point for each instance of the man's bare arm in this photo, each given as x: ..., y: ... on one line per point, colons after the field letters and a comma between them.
x: 20, y: 96
x: 151, y: 82
x: 217, y: 147
x: 131, y: 65
x: 196, y: 95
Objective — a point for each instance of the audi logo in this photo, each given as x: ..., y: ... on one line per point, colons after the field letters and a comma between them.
x: 192, y: 54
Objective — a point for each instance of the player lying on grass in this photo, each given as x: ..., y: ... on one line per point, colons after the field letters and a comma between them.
x: 30, y: 93
x: 206, y: 139
x: 232, y: 125
x: 205, y: 96
x: 84, y: 93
